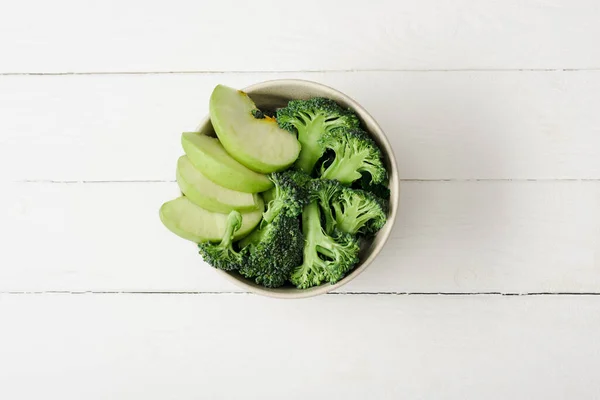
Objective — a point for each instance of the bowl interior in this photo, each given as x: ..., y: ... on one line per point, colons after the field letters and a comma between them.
x: 274, y: 94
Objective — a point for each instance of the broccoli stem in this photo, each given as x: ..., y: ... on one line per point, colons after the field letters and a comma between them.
x: 355, y: 216
x: 274, y: 206
x: 309, y: 216
x: 312, y: 150
x: 307, y: 160
x: 313, y: 237
x: 329, y: 221
x: 343, y: 169
x: 313, y: 233
x: 234, y: 221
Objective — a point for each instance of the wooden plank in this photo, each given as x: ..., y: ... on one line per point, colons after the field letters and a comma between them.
x: 461, y: 125
x: 510, y: 237
x: 338, y: 347
x: 266, y: 35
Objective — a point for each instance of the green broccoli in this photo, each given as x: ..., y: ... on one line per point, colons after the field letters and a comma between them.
x: 262, y: 114
x: 327, y: 258
x: 310, y: 119
x: 378, y: 189
x: 358, y: 211
x: 355, y: 152
x: 348, y: 210
x: 289, y: 195
x: 326, y: 192
x: 274, y: 251
x: 223, y: 255
x: 275, y: 247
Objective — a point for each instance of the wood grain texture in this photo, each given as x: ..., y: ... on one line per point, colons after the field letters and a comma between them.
x: 509, y: 237
x: 460, y: 125
x: 332, y: 347
x: 492, y: 110
x: 268, y: 35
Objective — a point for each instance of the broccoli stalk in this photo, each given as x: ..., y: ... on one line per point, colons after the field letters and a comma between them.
x: 222, y: 255
x: 288, y: 196
x: 355, y: 152
x: 326, y: 258
x: 326, y: 192
x: 357, y: 211
x: 310, y: 119
x: 274, y: 251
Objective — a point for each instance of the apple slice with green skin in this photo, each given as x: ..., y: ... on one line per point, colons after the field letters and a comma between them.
x: 259, y: 144
x: 208, y: 195
x: 192, y: 222
x: 212, y: 160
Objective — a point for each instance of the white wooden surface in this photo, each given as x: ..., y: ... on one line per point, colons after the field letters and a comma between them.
x: 336, y: 347
x: 443, y: 125
x: 489, y: 287
x: 509, y: 237
x: 269, y: 35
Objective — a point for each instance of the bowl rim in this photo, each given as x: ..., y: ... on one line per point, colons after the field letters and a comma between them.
x: 394, y: 187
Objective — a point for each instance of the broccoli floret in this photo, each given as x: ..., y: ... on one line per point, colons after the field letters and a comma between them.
x: 378, y: 189
x: 274, y: 251
x: 355, y: 152
x: 327, y: 258
x: 223, y: 255
x: 256, y: 113
x: 310, y: 119
x: 357, y: 211
x: 348, y: 210
x: 326, y: 192
x: 288, y: 196
x: 262, y: 114
x: 275, y: 248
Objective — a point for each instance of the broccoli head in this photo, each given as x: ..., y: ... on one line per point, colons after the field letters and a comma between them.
x: 274, y: 251
x: 348, y: 210
x: 327, y: 258
x: 358, y: 211
x: 288, y: 196
x: 355, y: 152
x: 275, y: 248
x: 223, y: 255
x: 310, y: 119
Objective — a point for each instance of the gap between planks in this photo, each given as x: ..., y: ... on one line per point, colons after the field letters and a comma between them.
x: 216, y: 293
x: 315, y: 71
x: 70, y: 182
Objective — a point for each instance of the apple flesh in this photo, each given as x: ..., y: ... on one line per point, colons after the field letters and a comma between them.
x: 194, y: 223
x: 259, y: 144
x: 212, y: 160
x: 207, y: 194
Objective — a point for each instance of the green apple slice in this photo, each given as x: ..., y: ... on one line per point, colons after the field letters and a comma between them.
x: 210, y: 158
x: 192, y: 222
x: 207, y: 194
x: 259, y: 144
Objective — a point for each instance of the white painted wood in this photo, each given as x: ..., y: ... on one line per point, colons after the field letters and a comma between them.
x: 519, y: 214
x: 509, y: 237
x: 269, y: 35
x: 460, y: 125
x: 333, y: 347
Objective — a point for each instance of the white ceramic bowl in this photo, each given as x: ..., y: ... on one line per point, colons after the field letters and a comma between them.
x: 277, y: 93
